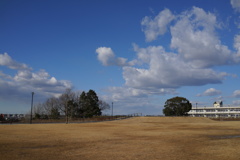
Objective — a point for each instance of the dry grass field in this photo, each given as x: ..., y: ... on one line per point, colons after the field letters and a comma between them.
x: 142, y: 138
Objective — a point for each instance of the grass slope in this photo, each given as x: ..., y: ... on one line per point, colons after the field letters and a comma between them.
x: 136, y: 138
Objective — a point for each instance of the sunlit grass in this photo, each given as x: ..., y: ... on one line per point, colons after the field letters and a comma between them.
x: 135, y: 138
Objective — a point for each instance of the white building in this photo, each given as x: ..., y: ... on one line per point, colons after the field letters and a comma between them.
x: 216, y: 111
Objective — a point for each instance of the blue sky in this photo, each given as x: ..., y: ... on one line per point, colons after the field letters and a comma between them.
x: 136, y: 54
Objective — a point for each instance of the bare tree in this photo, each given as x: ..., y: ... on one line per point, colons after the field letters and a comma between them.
x: 51, y: 104
x: 39, y: 109
x: 103, y: 105
x: 64, y: 99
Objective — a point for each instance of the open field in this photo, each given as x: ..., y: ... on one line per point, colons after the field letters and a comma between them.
x: 136, y: 138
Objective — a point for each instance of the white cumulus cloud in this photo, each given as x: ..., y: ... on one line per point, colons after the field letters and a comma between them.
x: 107, y: 57
x: 195, y: 38
x: 26, y: 81
x: 166, y: 70
x: 236, y: 5
x: 195, y: 50
x: 156, y: 26
x: 237, y: 47
x: 6, y: 60
x: 193, y: 35
x: 211, y: 92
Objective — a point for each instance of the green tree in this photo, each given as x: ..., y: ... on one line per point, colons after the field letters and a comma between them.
x: 82, y: 105
x: 89, y: 104
x: 93, y: 104
x: 72, y: 108
x: 37, y: 116
x: 177, y: 106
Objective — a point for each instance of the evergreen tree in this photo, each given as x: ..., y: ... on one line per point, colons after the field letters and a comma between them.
x: 177, y: 106
x: 89, y: 104
x: 93, y: 104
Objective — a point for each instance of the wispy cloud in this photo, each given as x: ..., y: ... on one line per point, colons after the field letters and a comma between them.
x: 129, y: 100
x: 236, y: 94
x: 236, y: 102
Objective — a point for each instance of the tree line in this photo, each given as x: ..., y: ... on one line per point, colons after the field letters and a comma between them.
x: 71, y: 104
x: 87, y: 104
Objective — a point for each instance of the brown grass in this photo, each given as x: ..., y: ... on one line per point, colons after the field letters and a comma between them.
x: 136, y: 138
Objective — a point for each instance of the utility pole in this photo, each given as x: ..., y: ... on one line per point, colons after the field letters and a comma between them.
x: 112, y: 109
x: 196, y: 108
x: 66, y: 113
x: 31, y: 108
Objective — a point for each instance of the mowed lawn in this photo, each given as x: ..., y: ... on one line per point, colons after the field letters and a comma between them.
x: 142, y: 138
